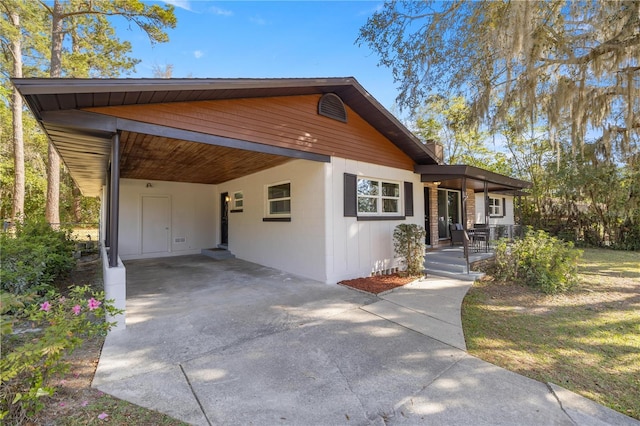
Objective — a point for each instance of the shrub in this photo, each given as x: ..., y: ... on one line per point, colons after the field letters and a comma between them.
x: 34, y: 257
x: 629, y: 236
x: 408, y: 242
x: 538, y: 260
x: 58, y: 326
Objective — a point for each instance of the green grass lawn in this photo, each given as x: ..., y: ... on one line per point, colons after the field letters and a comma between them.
x: 586, y: 340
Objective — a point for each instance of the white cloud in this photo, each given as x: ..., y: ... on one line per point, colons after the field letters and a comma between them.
x: 198, y: 54
x: 219, y: 11
x: 182, y: 4
x: 258, y: 20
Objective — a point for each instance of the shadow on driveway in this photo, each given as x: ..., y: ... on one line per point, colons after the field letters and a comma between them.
x: 231, y: 342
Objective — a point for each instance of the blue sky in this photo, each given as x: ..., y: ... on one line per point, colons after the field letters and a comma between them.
x: 234, y: 39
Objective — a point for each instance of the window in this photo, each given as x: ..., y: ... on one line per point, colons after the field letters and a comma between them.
x: 238, y: 201
x: 279, y: 200
x: 495, y: 207
x: 376, y: 197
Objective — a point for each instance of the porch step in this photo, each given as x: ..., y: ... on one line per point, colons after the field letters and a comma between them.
x: 450, y: 263
x: 472, y: 276
x: 218, y: 253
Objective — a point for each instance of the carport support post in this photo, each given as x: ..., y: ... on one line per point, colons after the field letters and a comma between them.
x: 114, y: 273
x: 114, y: 198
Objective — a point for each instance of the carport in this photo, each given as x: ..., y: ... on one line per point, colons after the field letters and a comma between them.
x: 106, y: 130
x: 99, y: 149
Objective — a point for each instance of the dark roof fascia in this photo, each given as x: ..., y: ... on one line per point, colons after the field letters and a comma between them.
x: 444, y: 172
x: 55, y: 86
x: 30, y: 88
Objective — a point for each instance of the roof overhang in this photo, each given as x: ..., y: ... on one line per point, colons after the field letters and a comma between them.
x: 451, y: 176
x: 83, y: 139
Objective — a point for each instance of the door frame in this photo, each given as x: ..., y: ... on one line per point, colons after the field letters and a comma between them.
x: 446, y: 214
x: 224, y: 218
x: 169, y: 230
x: 427, y: 214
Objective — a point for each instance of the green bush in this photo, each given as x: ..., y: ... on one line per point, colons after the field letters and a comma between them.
x: 629, y: 236
x: 33, y: 257
x: 408, y: 242
x: 58, y: 325
x: 538, y: 260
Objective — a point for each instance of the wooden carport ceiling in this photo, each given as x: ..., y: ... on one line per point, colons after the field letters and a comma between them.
x: 158, y: 158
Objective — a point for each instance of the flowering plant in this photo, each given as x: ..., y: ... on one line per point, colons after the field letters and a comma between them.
x: 58, y: 326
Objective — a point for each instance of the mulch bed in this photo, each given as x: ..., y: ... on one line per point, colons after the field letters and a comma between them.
x: 379, y: 283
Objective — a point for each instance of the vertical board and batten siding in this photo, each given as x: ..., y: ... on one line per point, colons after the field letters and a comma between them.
x: 360, y: 248
x: 288, y: 122
x: 297, y: 246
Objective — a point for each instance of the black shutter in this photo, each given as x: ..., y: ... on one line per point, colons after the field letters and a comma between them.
x: 504, y: 207
x: 408, y: 198
x: 350, y: 195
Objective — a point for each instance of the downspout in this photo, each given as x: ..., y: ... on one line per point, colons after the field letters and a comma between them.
x: 114, y: 197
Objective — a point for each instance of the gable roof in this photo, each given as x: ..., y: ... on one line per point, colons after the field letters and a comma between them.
x: 84, y: 145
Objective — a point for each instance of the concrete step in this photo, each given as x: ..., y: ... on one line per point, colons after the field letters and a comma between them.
x: 472, y: 276
x: 450, y: 262
x: 457, y: 268
x: 218, y: 253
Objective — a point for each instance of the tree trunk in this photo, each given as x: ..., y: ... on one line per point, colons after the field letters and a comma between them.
x: 77, y: 202
x: 17, y: 211
x: 52, y: 210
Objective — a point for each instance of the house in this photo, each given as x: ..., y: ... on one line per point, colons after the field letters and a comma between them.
x: 309, y: 176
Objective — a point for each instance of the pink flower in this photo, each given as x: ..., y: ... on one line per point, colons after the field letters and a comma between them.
x: 103, y: 416
x: 76, y: 309
x: 45, y: 306
x: 84, y: 403
x: 93, y: 304
x: 62, y: 404
x: 62, y: 299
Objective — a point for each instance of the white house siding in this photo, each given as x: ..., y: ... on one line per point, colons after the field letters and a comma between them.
x: 297, y: 246
x: 359, y: 248
x: 508, y: 218
x: 192, y: 216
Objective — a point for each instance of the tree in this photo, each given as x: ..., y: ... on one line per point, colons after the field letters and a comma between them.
x: 563, y: 62
x: 448, y: 121
x: 65, y: 20
x: 18, y: 17
x: 160, y: 71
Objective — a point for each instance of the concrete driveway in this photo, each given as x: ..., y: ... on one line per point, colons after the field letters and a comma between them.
x: 231, y: 342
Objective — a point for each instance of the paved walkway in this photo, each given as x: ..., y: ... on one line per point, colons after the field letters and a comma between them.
x: 230, y: 342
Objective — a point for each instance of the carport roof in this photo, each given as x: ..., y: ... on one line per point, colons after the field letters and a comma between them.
x: 84, y: 144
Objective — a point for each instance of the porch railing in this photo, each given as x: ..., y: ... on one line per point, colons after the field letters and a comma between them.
x: 496, y: 232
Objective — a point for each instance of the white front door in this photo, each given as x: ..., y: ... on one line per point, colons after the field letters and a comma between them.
x: 156, y: 221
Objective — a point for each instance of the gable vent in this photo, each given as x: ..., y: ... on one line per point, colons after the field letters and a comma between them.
x: 331, y: 106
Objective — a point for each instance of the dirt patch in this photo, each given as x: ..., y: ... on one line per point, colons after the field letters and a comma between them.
x: 379, y: 283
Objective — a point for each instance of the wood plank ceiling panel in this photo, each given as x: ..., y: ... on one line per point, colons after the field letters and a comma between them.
x: 157, y: 158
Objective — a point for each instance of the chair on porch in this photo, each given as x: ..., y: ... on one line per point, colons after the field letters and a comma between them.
x: 457, y: 233
x: 481, y: 234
